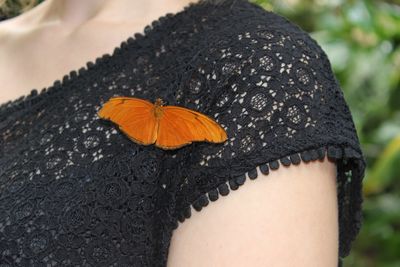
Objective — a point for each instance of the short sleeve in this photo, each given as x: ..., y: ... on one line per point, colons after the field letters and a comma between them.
x: 280, y: 104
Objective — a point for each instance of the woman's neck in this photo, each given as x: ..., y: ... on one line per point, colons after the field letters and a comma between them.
x: 74, y: 13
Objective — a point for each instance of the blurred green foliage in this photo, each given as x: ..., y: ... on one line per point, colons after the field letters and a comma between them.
x: 362, y: 40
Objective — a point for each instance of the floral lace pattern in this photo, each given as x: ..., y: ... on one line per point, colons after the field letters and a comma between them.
x: 75, y: 191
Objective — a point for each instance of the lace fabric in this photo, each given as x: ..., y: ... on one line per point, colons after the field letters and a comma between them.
x: 75, y: 191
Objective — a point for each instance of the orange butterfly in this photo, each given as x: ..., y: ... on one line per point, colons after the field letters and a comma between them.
x: 169, y: 127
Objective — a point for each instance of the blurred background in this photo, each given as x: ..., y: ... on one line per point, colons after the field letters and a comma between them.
x: 362, y: 40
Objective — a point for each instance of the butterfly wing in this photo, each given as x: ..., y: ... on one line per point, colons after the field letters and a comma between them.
x: 133, y: 116
x: 180, y: 126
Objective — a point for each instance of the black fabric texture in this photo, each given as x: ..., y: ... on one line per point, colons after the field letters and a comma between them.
x: 75, y: 191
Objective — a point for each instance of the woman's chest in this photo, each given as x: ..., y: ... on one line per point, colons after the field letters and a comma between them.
x: 75, y: 190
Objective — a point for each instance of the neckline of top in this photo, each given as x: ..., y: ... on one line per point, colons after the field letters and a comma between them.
x: 20, y: 103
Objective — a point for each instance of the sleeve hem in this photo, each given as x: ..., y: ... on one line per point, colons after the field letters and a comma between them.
x: 350, y: 165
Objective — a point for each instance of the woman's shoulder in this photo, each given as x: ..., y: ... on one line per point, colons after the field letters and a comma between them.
x: 253, y: 50
x: 246, y: 32
x: 242, y: 18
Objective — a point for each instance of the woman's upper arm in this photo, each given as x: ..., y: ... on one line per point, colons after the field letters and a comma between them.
x: 286, y: 218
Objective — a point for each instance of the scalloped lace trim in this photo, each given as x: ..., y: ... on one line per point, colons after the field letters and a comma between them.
x: 333, y: 153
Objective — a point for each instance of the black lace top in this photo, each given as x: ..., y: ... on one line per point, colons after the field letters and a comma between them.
x: 75, y: 191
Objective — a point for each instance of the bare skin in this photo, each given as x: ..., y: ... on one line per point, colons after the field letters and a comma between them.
x: 284, y: 219
x: 287, y: 218
x: 57, y: 36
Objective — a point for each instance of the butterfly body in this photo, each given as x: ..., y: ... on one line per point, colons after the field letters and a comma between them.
x: 168, y: 127
x: 158, y: 110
